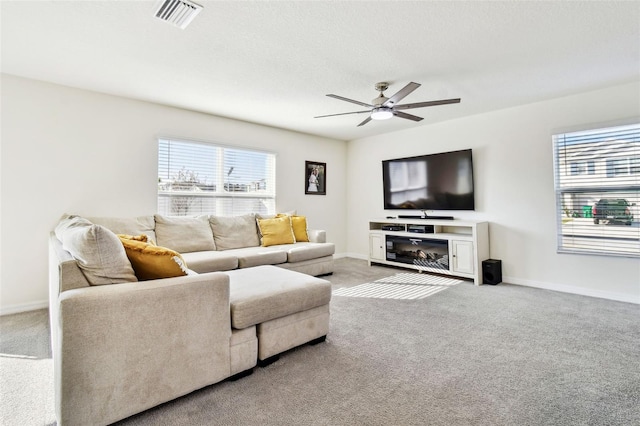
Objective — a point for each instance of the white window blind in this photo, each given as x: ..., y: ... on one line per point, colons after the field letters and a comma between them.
x: 201, y: 178
x: 597, y: 184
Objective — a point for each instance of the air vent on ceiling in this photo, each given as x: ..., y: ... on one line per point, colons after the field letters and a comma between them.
x: 178, y: 12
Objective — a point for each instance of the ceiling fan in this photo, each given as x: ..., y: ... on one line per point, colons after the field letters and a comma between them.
x: 382, y: 108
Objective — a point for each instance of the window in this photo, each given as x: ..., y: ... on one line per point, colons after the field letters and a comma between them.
x: 597, y: 184
x: 622, y: 166
x: 201, y: 178
x: 583, y: 167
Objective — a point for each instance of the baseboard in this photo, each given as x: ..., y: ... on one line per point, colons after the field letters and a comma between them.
x: 341, y: 255
x: 563, y: 288
x: 352, y: 255
x: 24, y: 307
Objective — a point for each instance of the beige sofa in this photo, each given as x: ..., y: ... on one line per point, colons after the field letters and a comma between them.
x: 122, y: 348
x: 217, y: 243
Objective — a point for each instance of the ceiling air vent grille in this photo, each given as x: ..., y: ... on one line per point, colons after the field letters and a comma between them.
x: 178, y: 12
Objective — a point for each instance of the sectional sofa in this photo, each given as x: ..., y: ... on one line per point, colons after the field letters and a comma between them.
x: 144, y: 310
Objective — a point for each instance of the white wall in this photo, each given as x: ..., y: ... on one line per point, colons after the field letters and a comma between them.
x: 66, y: 150
x: 513, y: 168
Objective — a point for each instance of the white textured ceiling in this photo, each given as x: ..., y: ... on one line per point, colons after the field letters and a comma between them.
x: 273, y: 62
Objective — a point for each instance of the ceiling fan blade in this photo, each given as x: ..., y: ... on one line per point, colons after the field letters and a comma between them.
x: 427, y: 104
x: 368, y: 119
x: 407, y: 116
x: 401, y: 94
x: 350, y: 100
x: 343, y: 113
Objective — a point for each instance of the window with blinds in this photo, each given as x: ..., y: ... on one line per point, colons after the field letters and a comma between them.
x: 201, y: 178
x: 597, y: 184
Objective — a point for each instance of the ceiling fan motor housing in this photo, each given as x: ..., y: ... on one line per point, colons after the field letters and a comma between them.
x: 380, y: 87
x: 379, y: 100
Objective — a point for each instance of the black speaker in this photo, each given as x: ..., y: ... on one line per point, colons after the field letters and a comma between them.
x: 491, y: 271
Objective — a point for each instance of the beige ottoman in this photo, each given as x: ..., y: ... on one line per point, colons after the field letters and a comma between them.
x: 289, y: 308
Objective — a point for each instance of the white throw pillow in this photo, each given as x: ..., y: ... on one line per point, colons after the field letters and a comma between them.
x: 98, y: 251
x: 184, y: 234
x: 141, y: 225
x: 235, y: 232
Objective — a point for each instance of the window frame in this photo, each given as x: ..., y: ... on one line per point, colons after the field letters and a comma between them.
x: 580, y: 186
x: 217, y: 193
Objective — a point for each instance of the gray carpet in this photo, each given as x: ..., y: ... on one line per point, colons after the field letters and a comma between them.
x: 403, y: 285
x: 489, y: 355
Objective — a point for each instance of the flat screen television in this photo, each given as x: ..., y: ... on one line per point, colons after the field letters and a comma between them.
x: 441, y: 181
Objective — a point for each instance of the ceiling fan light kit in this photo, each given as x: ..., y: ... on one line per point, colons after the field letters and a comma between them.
x: 381, y: 113
x: 383, y: 108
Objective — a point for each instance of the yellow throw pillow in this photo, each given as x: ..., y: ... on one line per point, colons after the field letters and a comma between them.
x: 142, y: 238
x: 299, y: 226
x: 152, y: 262
x: 276, y: 231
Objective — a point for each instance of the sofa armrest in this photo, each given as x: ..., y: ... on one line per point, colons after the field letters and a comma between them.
x: 317, y: 235
x: 124, y: 348
x: 64, y: 273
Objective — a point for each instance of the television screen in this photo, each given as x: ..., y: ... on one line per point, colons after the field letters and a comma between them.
x: 429, y: 182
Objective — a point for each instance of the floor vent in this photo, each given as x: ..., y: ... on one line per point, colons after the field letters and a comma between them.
x: 178, y: 12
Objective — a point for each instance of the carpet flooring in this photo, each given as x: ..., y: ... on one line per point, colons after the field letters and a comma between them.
x: 467, y: 355
x: 400, y: 286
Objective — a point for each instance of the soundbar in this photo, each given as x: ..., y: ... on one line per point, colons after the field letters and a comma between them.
x: 425, y: 217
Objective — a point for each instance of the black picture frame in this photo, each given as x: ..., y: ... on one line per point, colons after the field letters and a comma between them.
x: 315, y: 178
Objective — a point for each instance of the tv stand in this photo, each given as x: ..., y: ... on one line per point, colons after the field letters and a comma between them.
x: 452, y: 247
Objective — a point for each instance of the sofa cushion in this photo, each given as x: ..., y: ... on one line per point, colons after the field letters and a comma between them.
x: 184, y: 234
x: 234, y: 232
x: 256, y: 256
x: 210, y: 261
x: 141, y: 225
x: 310, y: 251
x: 264, y: 293
x: 98, y: 251
x: 314, y: 267
x: 152, y: 262
x: 304, y: 251
x: 276, y: 231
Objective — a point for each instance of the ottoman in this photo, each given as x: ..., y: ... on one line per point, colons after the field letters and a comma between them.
x: 288, y: 308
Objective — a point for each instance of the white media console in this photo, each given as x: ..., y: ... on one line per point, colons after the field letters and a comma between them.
x: 453, y: 247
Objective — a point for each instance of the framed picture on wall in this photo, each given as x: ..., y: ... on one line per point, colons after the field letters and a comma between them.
x: 315, y: 178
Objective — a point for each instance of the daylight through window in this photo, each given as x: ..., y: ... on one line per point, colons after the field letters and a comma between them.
x: 597, y: 184
x: 201, y: 178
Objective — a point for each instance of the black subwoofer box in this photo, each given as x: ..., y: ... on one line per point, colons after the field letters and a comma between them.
x: 491, y: 271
